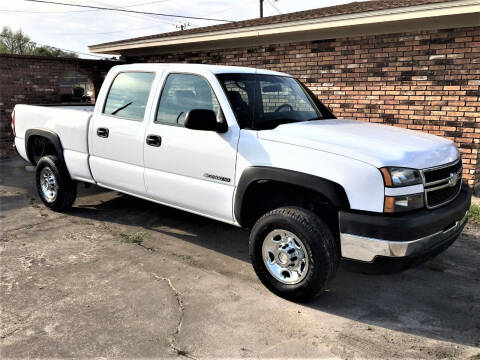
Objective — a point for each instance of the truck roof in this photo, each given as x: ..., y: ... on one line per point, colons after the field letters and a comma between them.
x: 216, y: 69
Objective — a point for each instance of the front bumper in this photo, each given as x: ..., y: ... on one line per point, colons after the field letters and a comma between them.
x: 370, y: 237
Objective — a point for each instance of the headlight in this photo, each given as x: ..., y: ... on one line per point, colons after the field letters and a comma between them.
x: 397, y: 177
x: 394, y: 204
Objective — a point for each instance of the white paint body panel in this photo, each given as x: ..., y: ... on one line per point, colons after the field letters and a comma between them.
x: 405, y: 190
x: 363, y: 183
x: 77, y: 165
x: 117, y: 161
x: 375, y: 144
x: 69, y: 123
x: 123, y: 149
x: 175, y: 171
x: 20, y: 146
x: 346, y: 152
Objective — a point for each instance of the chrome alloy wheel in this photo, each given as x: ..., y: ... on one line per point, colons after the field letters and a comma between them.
x: 285, y: 256
x: 48, y: 184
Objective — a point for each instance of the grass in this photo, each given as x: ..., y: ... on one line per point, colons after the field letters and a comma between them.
x: 136, y: 238
x: 474, y: 213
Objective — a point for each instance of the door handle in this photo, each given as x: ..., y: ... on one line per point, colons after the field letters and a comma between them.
x: 154, y: 140
x: 102, y: 132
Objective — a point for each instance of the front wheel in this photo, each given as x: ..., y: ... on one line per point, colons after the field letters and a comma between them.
x: 293, y: 252
x: 54, y: 185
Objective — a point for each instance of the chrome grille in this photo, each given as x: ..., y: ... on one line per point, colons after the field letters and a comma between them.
x: 442, y: 183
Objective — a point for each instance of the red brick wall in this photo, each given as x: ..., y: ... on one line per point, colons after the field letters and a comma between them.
x: 428, y: 81
x: 35, y: 80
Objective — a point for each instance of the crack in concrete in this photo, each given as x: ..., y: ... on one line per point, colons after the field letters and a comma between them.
x: 151, y: 249
x: 33, y: 225
x: 4, y: 336
x: 181, y: 309
x: 24, y: 227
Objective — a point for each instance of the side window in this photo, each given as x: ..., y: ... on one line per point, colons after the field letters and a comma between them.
x: 182, y: 93
x: 128, y: 95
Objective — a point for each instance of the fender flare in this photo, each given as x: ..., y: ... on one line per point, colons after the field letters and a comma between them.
x: 51, y: 136
x: 334, y: 192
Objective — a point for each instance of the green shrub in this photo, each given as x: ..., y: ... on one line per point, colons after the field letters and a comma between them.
x: 474, y: 213
x: 136, y: 238
x: 78, y: 91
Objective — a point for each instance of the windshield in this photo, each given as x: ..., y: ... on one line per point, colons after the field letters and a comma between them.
x: 266, y: 101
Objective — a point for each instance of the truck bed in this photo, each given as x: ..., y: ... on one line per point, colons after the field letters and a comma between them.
x: 69, y: 122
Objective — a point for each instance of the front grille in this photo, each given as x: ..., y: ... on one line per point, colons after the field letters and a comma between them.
x: 441, y: 173
x: 438, y: 197
x: 442, y: 184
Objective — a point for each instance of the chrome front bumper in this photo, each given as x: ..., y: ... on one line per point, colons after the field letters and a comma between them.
x: 367, y: 249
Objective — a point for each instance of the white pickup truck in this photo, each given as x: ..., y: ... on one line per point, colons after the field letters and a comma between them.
x: 255, y: 149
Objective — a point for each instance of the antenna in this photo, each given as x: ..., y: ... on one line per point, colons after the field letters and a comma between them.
x: 182, y: 26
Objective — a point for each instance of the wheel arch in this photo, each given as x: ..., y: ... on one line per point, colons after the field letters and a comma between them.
x: 333, y: 192
x: 52, y: 138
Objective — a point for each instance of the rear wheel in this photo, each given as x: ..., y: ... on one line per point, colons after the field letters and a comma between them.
x: 54, y: 185
x: 293, y: 253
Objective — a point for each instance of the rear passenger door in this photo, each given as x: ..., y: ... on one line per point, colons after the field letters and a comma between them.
x: 117, y: 132
x: 191, y: 169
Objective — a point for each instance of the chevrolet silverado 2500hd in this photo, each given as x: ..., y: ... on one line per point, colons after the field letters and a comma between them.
x: 255, y: 149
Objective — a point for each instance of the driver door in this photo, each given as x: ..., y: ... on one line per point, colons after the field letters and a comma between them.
x: 191, y: 169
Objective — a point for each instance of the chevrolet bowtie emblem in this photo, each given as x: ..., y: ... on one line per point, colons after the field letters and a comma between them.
x: 453, y: 179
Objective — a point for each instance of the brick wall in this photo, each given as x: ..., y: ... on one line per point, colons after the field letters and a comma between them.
x: 427, y: 81
x: 35, y: 80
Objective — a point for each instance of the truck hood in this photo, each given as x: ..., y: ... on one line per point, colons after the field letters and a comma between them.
x: 378, y: 145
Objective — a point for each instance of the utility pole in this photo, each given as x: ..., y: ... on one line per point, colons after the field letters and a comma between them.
x: 261, y: 8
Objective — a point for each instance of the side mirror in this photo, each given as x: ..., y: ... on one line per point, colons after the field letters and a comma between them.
x: 202, y: 119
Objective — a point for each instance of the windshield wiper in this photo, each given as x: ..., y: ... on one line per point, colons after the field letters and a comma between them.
x: 122, y: 107
x: 314, y: 118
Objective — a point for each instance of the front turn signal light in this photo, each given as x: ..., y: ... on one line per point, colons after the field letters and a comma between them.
x: 395, y: 204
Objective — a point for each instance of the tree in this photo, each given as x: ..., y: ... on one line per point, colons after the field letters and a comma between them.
x: 19, y: 43
x: 15, y: 42
x: 45, y: 50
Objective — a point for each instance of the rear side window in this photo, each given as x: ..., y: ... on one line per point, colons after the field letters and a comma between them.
x: 128, y: 95
x: 182, y: 93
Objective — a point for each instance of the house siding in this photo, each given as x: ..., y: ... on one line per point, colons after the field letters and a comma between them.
x: 427, y: 81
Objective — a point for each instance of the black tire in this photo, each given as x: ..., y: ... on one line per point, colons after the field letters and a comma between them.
x: 319, y: 243
x: 66, y: 192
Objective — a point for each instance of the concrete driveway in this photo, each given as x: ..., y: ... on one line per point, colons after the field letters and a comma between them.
x: 121, y: 277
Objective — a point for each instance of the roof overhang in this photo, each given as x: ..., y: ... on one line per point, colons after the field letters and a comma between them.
x: 460, y: 13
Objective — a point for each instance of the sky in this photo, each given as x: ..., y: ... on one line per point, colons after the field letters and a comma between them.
x: 73, y: 28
